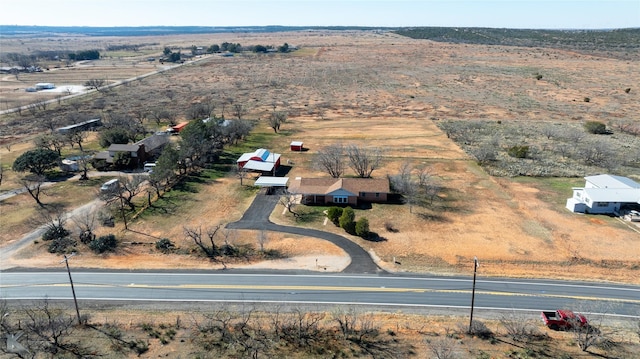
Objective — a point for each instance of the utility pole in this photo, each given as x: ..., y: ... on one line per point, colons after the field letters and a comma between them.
x: 75, y: 301
x: 473, y: 292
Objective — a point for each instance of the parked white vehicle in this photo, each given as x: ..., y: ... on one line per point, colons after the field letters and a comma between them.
x: 149, y: 167
x: 110, y: 186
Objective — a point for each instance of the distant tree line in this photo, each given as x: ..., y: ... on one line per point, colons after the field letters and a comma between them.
x: 128, y: 47
x: 622, y: 39
x: 266, y: 48
x: 224, y: 47
x: 236, y: 48
x: 84, y: 55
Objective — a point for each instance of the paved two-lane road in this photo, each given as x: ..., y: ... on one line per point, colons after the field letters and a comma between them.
x: 371, y: 290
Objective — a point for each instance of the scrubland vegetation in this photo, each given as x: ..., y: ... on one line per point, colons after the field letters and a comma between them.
x: 494, y: 127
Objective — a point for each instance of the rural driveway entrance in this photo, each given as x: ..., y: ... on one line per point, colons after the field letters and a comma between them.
x: 257, y: 217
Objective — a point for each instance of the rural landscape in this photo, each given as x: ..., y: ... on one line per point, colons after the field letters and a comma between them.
x: 481, y: 137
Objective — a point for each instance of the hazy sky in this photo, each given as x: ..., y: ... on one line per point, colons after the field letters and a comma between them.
x: 547, y: 14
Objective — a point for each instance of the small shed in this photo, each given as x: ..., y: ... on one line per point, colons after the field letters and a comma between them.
x: 296, y: 146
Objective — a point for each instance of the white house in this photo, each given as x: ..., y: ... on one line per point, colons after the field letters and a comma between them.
x: 604, y: 194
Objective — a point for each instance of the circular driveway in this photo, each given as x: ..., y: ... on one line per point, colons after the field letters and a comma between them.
x: 257, y: 217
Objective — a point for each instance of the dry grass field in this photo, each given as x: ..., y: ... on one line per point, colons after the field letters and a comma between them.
x: 167, y: 333
x: 383, y: 90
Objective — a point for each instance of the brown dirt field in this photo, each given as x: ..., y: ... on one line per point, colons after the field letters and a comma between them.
x: 388, y: 91
x: 411, y: 332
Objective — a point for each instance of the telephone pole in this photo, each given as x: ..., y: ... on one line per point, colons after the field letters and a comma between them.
x: 75, y: 301
x: 473, y: 292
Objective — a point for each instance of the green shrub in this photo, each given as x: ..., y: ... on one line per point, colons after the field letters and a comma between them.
x: 347, y: 220
x: 362, y: 227
x: 164, y: 245
x: 334, y: 214
x: 62, y: 245
x: 595, y: 127
x: 518, y: 151
x: 55, y: 232
x: 103, y: 244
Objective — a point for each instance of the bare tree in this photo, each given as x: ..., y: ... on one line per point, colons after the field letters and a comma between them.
x: 289, y: 201
x: 54, y: 219
x: 86, y: 224
x: 485, y: 154
x: 33, y: 109
x: 77, y: 137
x: 428, y: 184
x: 53, y: 141
x: 262, y: 238
x: 593, y: 334
x: 49, y: 123
x: 160, y: 113
x: 276, y: 119
x: 241, y: 173
x: 140, y: 115
x: 237, y: 130
x: 1, y: 173
x: 597, y: 153
x: 129, y: 188
x: 550, y: 131
x: 564, y: 149
x: 239, y: 110
x: 443, y: 348
x: 331, y: 159
x: 40, y: 330
x: 95, y: 84
x: 195, y: 234
x: 363, y: 161
x: 201, y: 110
x: 33, y: 184
x: 75, y: 104
x: 41, y: 104
x: 404, y: 184
x: 519, y: 327
x: 51, y: 330
x: 83, y: 163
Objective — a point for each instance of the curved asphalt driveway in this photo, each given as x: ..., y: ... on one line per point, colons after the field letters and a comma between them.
x: 257, y: 217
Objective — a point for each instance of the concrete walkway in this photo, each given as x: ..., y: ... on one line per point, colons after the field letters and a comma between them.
x: 257, y: 217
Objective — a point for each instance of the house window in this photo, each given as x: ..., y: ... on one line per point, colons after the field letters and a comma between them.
x: 340, y: 199
x: 377, y: 195
x: 602, y: 204
x: 588, y: 200
x: 363, y: 194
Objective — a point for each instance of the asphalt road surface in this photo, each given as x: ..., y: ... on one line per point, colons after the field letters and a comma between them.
x: 371, y: 290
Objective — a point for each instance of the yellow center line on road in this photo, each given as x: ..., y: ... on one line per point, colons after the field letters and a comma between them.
x: 302, y: 288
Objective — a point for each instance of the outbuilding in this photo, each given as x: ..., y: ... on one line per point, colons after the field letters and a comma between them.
x: 260, y: 161
x: 45, y: 86
x: 179, y: 127
x: 296, y: 146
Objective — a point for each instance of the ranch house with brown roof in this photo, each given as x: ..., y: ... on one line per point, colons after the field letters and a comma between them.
x: 349, y: 191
